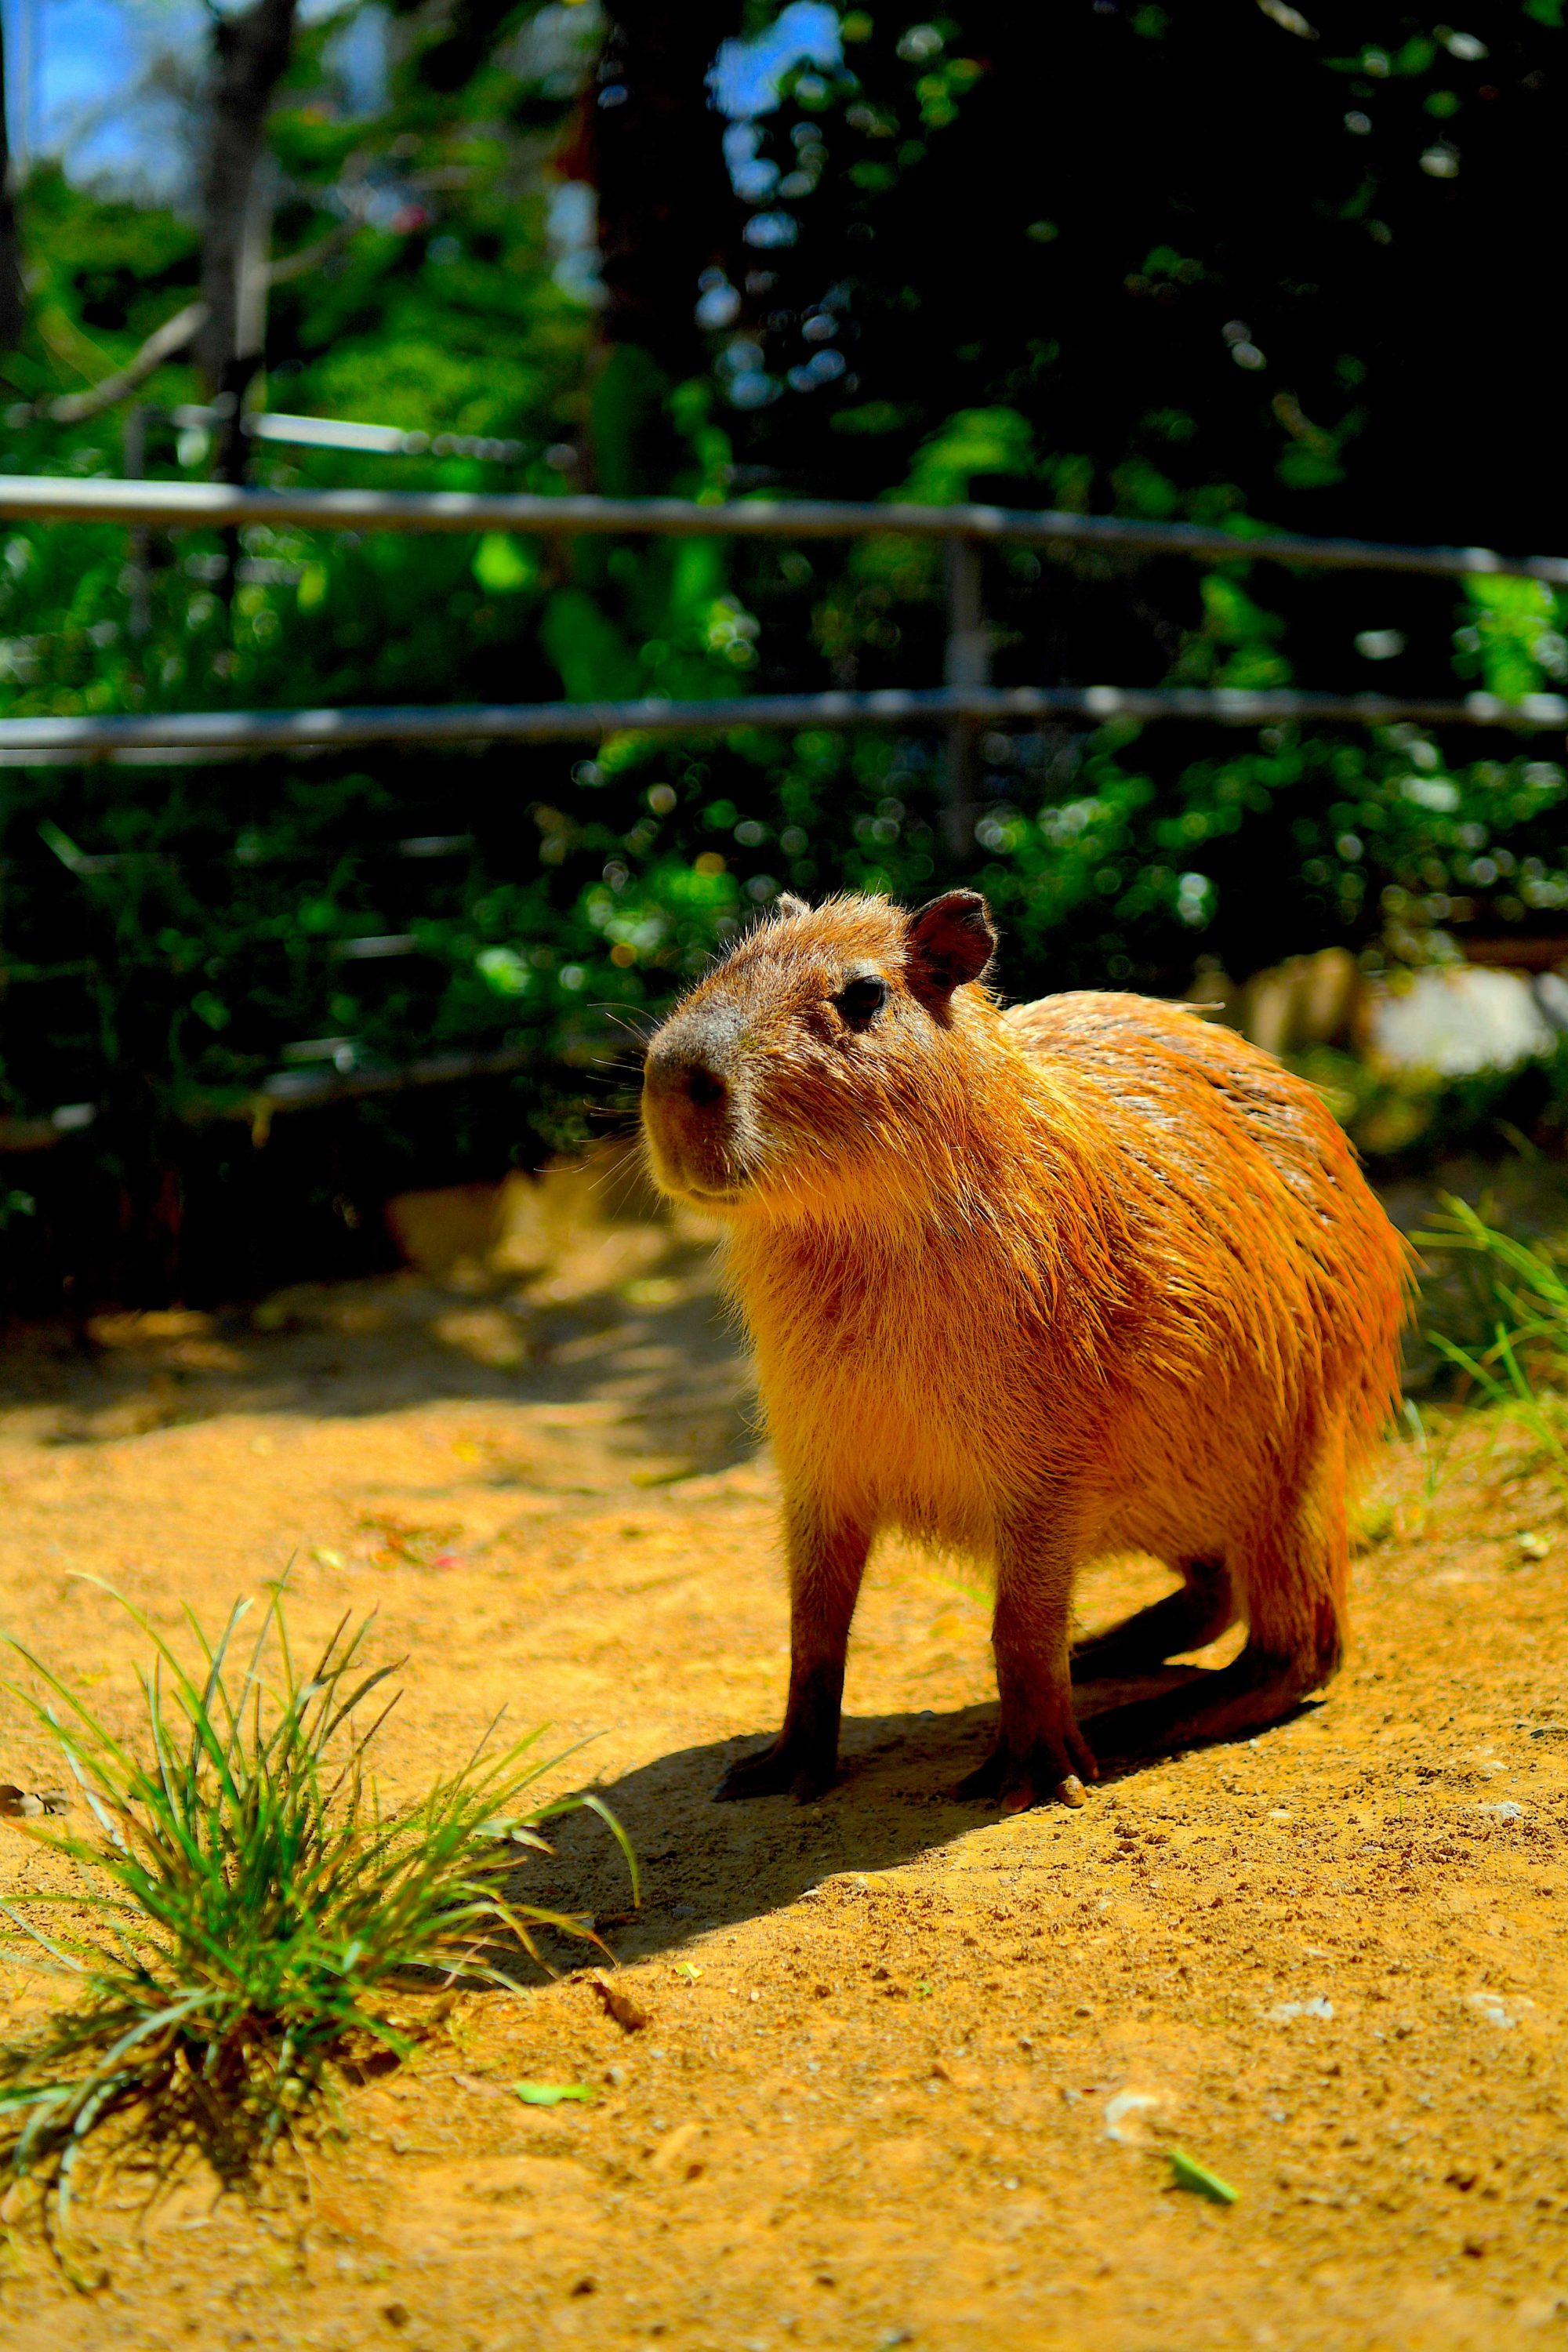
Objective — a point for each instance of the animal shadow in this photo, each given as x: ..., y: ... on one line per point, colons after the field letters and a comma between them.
x: 707, y: 1865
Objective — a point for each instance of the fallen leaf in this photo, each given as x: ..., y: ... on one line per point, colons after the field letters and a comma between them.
x: 618, y: 2004
x: 1189, y: 2173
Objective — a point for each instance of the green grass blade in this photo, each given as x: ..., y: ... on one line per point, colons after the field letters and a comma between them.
x: 1188, y: 2173
x: 592, y: 1803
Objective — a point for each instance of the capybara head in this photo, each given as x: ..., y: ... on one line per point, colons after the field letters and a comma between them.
x: 824, y: 1037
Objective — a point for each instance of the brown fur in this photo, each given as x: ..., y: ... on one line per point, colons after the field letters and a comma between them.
x: 1083, y: 1276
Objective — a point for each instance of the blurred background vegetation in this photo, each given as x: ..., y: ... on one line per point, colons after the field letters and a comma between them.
x: 1244, y: 266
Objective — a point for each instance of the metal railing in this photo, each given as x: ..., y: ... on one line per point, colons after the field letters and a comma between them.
x: 44, y: 742
x: 217, y: 505
x: 335, y: 433
x: 966, y: 700
x: 283, y: 1091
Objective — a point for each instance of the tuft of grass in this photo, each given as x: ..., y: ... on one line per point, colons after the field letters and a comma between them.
x: 1525, y: 1305
x: 242, y: 1904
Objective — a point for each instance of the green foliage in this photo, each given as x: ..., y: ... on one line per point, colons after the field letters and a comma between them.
x: 234, y: 1920
x: 102, y: 276
x: 1522, y: 1364
x: 1515, y: 644
x: 975, y: 441
x: 177, y: 941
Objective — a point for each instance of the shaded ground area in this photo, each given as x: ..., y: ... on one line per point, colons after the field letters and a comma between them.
x: 911, y: 2069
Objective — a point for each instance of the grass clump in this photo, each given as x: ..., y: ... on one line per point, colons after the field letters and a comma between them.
x: 242, y: 1904
x: 1523, y: 1306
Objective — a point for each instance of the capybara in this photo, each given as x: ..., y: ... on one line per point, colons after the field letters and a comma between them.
x: 1077, y: 1278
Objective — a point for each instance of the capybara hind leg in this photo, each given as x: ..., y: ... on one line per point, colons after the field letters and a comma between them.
x: 1039, y: 1753
x: 1203, y: 1609
x: 827, y: 1562
x: 1254, y: 1691
x: 1293, y: 1575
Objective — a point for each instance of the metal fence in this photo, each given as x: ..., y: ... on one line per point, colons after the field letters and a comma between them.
x: 964, y: 704
x: 965, y: 700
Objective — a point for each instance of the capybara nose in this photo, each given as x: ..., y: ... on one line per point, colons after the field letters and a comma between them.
x: 674, y: 1074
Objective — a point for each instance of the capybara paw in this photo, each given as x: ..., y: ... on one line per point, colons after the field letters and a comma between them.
x: 1051, y: 1772
x: 768, y: 1775
x: 778, y: 1771
x: 986, y: 1780
x: 1029, y: 1790
x: 811, y: 1781
x: 1039, y: 1783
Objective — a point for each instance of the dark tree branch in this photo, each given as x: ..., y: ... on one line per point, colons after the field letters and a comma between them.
x: 310, y: 256
x: 250, y: 55
x: 165, y: 343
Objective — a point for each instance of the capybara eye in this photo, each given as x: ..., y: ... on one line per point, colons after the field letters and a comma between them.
x: 860, y: 1000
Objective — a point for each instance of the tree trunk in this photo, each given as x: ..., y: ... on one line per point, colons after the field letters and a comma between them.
x: 250, y: 53
x: 652, y: 144
x: 12, y: 307
x: 665, y: 206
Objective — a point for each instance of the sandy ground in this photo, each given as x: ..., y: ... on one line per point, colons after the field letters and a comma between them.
x: 911, y: 2069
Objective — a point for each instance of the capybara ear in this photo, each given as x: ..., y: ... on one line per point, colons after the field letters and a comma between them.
x: 950, y: 940
x: 787, y: 904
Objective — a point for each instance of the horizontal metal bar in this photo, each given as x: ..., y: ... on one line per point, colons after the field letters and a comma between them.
x: 215, y: 506
x: 313, y: 1090
x: 333, y: 432
x: 259, y: 731
x: 286, y: 1090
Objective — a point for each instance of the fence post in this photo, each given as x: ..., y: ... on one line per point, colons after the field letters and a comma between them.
x: 138, y: 584
x: 967, y: 662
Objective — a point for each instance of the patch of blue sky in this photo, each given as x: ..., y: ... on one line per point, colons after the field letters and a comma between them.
x: 82, y: 85
x: 746, y: 74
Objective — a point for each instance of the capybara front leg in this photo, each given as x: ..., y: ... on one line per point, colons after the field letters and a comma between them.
x: 1040, y: 1752
x: 1199, y: 1613
x: 827, y: 1562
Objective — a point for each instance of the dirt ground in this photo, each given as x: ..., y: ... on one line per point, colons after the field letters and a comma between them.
x: 912, y: 2070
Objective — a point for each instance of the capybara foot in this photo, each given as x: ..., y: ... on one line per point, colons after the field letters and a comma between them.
x: 1051, y: 1770
x: 778, y: 1771
x: 986, y: 1779
x: 1217, y: 1703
